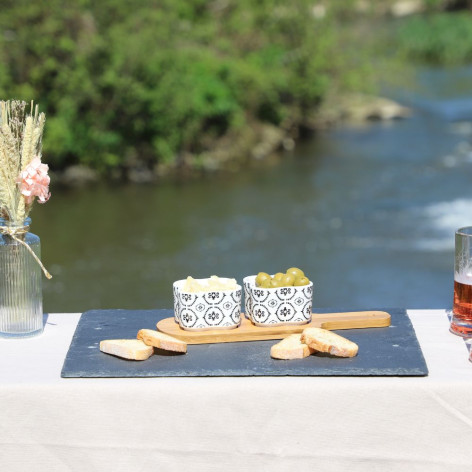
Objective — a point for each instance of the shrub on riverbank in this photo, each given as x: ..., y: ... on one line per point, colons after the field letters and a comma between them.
x: 440, y: 38
x: 125, y: 86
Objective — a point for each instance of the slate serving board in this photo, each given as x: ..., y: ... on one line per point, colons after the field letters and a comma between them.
x: 391, y: 351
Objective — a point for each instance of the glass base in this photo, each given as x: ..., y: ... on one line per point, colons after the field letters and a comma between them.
x: 29, y: 334
x: 460, y: 327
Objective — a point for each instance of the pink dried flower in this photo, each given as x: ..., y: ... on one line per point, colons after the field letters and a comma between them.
x: 34, y: 181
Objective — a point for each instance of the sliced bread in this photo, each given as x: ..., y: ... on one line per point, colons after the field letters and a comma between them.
x: 161, y: 340
x: 323, y: 340
x: 127, y: 348
x: 290, y: 348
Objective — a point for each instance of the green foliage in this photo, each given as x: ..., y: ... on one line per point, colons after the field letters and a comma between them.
x: 442, y: 38
x: 122, y: 81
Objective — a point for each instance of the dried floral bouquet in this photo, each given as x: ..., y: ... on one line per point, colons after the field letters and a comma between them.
x: 23, y: 177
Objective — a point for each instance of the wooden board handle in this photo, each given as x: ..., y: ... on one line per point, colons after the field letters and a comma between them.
x: 352, y: 320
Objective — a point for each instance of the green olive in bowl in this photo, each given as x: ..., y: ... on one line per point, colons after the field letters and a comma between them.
x: 296, y: 272
x: 288, y: 280
x: 266, y: 283
x: 275, y: 283
x: 261, y: 276
x: 301, y: 281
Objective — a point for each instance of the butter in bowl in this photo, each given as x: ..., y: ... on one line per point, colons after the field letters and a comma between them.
x: 280, y: 299
x: 212, y: 303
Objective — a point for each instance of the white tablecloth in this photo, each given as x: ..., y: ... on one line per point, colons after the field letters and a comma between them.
x: 224, y: 424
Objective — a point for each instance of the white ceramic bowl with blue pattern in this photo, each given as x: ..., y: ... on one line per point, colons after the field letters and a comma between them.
x: 217, y: 309
x: 277, y: 306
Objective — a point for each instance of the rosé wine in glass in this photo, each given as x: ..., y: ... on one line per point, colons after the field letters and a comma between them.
x: 461, y: 323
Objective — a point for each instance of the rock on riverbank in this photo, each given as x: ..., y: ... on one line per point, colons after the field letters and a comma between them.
x: 360, y: 109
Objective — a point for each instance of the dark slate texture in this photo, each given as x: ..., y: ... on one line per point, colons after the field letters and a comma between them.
x: 392, y: 351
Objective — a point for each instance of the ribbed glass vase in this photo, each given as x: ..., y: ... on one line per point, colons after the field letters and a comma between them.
x: 21, y: 301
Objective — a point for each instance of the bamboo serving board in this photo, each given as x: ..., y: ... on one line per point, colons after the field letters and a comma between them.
x: 247, y: 331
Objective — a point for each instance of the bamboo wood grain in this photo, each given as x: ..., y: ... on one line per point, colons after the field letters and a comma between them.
x: 247, y: 331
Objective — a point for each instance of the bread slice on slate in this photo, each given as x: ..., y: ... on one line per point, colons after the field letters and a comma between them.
x: 323, y: 340
x: 290, y: 348
x: 127, y: 348
x: 161, y: 340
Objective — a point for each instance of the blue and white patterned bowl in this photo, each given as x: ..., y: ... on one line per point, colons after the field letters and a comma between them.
x: 195, y: 311
x: 277, y: 306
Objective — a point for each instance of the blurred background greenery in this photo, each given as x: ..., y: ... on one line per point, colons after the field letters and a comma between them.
x: 162, y: 85
x: 135, y: 87
x: 150, y: 91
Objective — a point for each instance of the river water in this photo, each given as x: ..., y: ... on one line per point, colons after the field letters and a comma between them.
x: 369, y: 213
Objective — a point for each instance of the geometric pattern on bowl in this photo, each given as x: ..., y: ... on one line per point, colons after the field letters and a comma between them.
x: 196, y: 311
x: 277, y: 306
x: 247, y: 300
